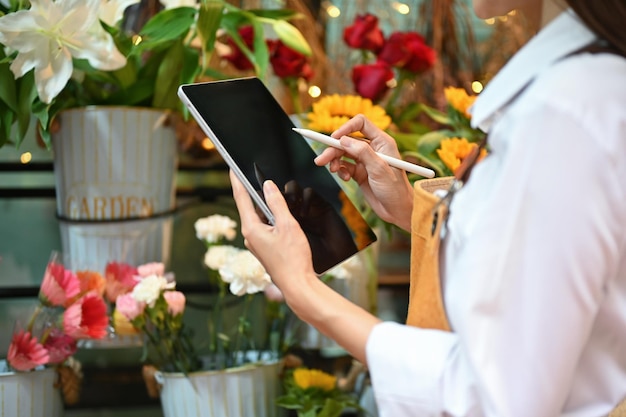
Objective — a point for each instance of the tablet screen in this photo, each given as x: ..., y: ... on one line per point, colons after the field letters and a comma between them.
x: 251, y: 130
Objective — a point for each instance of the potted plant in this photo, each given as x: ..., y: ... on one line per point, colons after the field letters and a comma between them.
x: 232, y: 373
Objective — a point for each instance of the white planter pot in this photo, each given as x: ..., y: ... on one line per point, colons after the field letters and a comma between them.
x: 29, y: 394
x: 249, y: 390
x: 113, y: 164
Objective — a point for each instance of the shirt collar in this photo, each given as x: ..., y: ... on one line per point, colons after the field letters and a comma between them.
x: 564, y: 35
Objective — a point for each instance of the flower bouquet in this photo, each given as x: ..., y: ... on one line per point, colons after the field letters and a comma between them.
x: 71, y: 309
x: 155, y: 309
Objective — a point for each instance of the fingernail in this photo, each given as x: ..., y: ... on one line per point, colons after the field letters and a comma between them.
x: 267, y: 187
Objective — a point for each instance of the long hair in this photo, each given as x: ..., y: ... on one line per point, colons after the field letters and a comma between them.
x: 604, y: 17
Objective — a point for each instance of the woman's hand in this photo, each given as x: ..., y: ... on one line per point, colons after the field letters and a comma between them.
x: 386, y: 189
x: 283, y: 249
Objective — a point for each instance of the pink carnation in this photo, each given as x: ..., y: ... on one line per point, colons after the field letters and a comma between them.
x: 175, y: 302
x: 120, y: 279
x: 129, y: 307
x: 152, y: 268
x: 86, y: 318
x: 25, y: 352
x: 59, y: 285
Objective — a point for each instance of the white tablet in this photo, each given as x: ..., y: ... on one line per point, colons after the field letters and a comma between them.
x: 254, y: 135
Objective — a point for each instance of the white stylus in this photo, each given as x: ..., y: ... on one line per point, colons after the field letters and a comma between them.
x: 394, y: 162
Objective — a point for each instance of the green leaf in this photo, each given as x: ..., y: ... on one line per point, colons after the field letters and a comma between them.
x: 406, y: 141
x: 285, y: 14
x: 428, y: 143
x: 27, y: 94
x: 261, y: 57
x: 436, y: 115
x: 289, y: 401
x: 6, y: 123
x: 332, y: 408
x: 190, y: 68
x: 209, y: 18
x: 292, y: 37
x: 214, y: 73
x: 134, y: 95
x: 166, y: 26
x: 7, y: 85
x: 166, y: 84
x: 42, y: 112
x: 434, y: 163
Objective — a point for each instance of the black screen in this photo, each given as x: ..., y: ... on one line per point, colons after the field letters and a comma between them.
x: 244, y: 117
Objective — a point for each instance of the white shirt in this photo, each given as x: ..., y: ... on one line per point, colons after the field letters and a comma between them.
x: 534, y: 261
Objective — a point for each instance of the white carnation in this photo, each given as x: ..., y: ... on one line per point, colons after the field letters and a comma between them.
x: 149, y: 288
x: 217, y: 256
x: 213, y: 228
x: 245, y: 274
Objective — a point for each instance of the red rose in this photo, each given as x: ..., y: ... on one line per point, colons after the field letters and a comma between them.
x: 371, y: 80
x: 407, y: 50
x: 288, y: 63
x: 236, y: 56
x: 364, y: 34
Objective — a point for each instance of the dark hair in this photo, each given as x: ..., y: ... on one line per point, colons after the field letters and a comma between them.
x: 604, y: 17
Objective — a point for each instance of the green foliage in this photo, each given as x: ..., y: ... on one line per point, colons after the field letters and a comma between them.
x: 314, y: 401
x: 173, y: 47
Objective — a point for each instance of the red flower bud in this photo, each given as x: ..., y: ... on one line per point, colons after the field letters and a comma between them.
x: 408, y: 50
x: 372, y: 80
x: 288, y: 63
x: 364, y: 33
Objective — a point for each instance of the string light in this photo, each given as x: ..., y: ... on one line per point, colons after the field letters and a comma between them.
x: 332, y: 10
x: 207, y: 144
x: 26, y: 157
x: 315, y: 91
x: 401, y: 8
x: 490, y: 21
x: 477, y: 87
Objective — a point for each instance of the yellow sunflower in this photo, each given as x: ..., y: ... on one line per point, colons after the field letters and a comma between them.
x: 459, y: 99
x: 452, y: 151
x: 333, y: 110
x: 314, y: 378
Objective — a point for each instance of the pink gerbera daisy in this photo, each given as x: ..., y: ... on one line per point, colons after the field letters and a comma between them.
x: 58, y: 286
x: 25, y: 352
x: 86, y: 318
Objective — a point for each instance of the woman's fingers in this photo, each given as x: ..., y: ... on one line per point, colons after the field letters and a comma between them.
x: 243, y: 201
x: 277, y: 204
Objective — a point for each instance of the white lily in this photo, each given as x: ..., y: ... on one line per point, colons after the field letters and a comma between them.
x: 172, y: 4
x: 112, y: 11
x: 49, y: 34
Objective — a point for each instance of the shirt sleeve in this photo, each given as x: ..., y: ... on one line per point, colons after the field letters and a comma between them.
x: 409, y: 368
